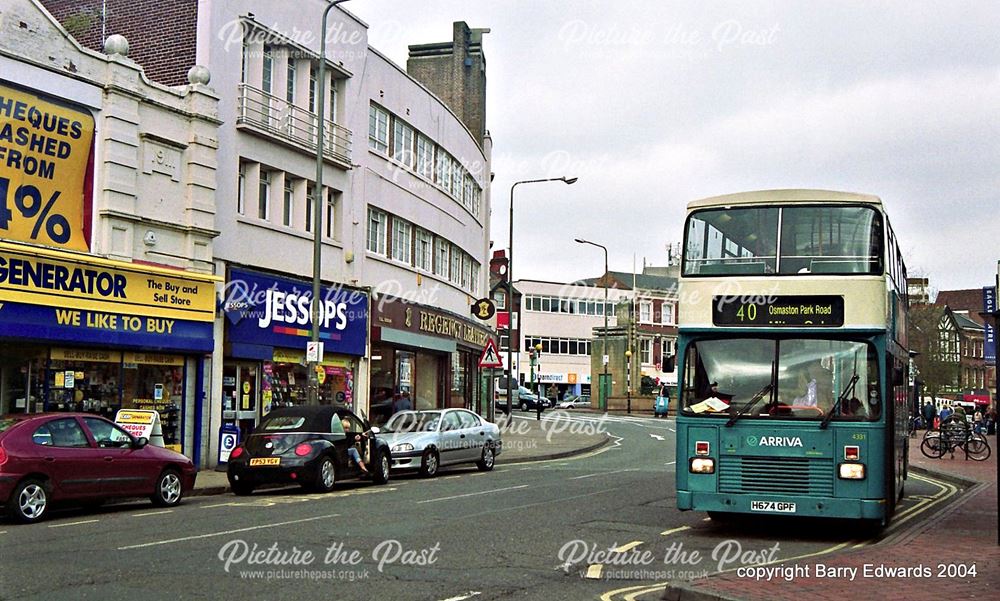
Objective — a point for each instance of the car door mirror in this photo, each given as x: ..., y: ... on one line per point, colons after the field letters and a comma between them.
x: 140, y: 442
x: 375, y: 430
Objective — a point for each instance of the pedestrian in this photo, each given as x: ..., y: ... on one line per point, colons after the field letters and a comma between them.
x: 404, y: 402
x: 946, y: 412
x: 352, y: 451
x: 930, y: 412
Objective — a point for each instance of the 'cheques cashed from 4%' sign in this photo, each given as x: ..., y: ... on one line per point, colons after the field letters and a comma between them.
x: 45, y: 148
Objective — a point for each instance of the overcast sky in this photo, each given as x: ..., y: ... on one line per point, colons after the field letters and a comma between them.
x: 653, y: 104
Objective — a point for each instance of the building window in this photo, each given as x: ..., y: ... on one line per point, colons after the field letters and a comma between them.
x: 455, y: 276
x: 310, y: 197
x: 376, y: 231
x: 456, y: 180
x: 466, y: 272
x: 500, y: 298
x: 474, y: 282
x: 441, y: 248
x: 264, y: 195
x: 645, y: 312
x: 290, y: 80
x: 402, y: 234
x: 241, y: 200
x: 424, y: 251
x: 444, y: 170
x: 288, y: 206
x: 266, y: 70
x: 646, y: 351
x: 667, y: 313
x: 378, y: 129
x: 402, y: 142
x: 330, y: 216
x: 425, y: 157
x: 333, y: 100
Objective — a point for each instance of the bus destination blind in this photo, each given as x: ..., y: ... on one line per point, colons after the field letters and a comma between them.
x: 778, y: 311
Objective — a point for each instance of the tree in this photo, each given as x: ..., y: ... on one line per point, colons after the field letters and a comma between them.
x: 930, y: 336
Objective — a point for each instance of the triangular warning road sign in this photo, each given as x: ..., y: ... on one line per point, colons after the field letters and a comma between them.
x: 490, y: 356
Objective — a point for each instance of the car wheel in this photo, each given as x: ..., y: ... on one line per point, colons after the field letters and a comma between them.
x: 429, y: 464
x: 326, y: 475
x: 524, y: 406
x: 381, y: 475
x: 29, y: 501
x: 486, y: 463
x: 168, y: 491
x: 241, y: 489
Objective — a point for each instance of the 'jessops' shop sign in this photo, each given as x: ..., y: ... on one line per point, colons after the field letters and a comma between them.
x: 270, y: 311
x: 45, y: 148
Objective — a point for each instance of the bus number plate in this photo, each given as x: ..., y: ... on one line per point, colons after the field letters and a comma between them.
x: 778, y: 506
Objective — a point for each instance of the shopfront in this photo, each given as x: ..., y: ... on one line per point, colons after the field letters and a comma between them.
x: 427, y: 353
x: 82, y: 333
x: 267, y: 325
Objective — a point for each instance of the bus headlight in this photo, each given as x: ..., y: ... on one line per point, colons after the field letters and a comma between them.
x: 852, y: 471
x: 702, y: 465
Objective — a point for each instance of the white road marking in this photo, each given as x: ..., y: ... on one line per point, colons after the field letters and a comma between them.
x: 73, y: 523
x: 461, y: 597
x: 672, y: 530
x: 471, y: 494
x: 628, y: 546
x: 225, y: 532
x: 670, y: 463
x: 634, y: 469
x: 657, y: 437
x: 142, y: 515
x: 594, y: 571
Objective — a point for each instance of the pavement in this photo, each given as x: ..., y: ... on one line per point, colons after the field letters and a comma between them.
x: 525, y: 439
x: 960, y: 535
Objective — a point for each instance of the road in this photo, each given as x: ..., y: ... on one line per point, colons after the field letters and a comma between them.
x: 540, y: 530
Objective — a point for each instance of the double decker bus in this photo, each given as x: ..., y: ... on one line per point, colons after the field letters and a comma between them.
x: 793, y: 358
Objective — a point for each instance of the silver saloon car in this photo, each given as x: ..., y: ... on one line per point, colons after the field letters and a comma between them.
x: 428, y: 440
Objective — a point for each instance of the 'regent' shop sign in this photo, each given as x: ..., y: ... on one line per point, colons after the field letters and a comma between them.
x: 411, y: 317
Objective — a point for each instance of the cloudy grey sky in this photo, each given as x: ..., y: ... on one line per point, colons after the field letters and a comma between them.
x: 653, y: 104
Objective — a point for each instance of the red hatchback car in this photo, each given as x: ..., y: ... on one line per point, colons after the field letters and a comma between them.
x: 84, y: 458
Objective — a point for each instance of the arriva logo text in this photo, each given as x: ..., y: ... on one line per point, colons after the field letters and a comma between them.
x: 779, y: 441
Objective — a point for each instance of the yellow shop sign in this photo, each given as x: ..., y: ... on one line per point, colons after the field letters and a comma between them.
x: 45, y: 147
x: 57, y: 279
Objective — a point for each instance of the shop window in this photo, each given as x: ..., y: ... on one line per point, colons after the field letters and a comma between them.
x: 156, y: 383
x: 81, y: 385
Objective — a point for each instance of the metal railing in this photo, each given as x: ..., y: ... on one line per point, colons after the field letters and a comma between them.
x: 278, y: 117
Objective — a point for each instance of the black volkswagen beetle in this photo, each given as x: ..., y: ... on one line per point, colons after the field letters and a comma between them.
x: 310, y: 446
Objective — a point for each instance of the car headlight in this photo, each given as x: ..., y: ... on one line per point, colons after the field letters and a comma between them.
x: 702, y: 465
x: 852, y: 471
x: 402, y: 447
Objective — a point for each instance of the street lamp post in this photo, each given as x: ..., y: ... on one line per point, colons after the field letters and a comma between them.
x: 312, y: 391
x: 628, y: 379
x: 604, y: 337
x: 510, y: 283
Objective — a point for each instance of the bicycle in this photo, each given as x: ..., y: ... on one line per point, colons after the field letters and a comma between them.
x: 951, y: 436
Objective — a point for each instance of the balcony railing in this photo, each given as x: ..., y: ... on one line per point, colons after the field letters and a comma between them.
x: 276, y: 116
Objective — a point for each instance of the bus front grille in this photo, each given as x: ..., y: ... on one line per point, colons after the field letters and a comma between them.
x: 790, y: 475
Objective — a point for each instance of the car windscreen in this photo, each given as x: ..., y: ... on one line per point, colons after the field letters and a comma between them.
x: 416, y: 421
